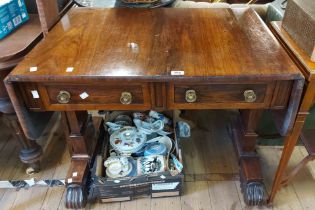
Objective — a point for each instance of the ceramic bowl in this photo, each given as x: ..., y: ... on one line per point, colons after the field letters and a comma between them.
x: 155, y: 148
x: 167, y: 141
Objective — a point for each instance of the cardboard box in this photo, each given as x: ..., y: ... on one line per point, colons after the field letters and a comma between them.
x: 299, y: 22
x: 13, y: 13
x: 163, y: 184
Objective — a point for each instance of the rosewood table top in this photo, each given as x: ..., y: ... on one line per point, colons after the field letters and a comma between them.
x: 150, y: 44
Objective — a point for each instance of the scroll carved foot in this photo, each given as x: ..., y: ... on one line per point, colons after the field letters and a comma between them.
x: 76, y: 197
x: 254, y: 193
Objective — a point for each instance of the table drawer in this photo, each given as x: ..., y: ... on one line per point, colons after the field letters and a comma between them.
x: 110, y: 96
x: 225, y: 96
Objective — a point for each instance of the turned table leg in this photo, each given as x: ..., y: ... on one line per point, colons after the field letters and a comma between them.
x: 244, y: 136
x: 30, y: 152
x: 81, y: 142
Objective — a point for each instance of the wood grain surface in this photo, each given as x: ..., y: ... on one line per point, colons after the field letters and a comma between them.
x: 150, y: 44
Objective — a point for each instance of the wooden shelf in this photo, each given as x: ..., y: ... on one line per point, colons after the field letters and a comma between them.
x: 15, y: 46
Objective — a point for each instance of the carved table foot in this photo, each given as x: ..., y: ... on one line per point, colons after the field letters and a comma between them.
x: 76, y: 197
x: 82, y: 134
x: 252, y: 186
x: 254, y: 193
x: 244, y: 138
x: 78, y: 174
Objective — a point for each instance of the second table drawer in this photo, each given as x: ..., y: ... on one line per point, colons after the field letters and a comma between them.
x: 186, y: 96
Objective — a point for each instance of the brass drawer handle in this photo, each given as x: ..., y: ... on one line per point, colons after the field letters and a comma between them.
x: 250, y: 96
x: 126, y: 98
x: 191, y: 96
x: 63, y: 97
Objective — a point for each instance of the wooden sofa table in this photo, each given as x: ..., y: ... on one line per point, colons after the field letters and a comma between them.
x: 161, y: 59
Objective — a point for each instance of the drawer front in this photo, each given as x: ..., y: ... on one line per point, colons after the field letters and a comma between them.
x: 26, y: 91
x: 109, y: 97
x: 220, y: 96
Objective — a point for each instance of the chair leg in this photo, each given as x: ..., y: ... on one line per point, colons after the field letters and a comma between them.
x: 296, y: 169
x: 30, y: 152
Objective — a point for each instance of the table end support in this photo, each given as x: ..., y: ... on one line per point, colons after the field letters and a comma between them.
x: 244, y: 139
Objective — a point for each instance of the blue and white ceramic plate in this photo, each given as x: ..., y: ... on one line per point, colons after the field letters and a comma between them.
x: 127, y: 140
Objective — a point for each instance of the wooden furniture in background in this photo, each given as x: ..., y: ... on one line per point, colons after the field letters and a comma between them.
x: 152, y: 59
x: 50, y: 13
x: 307, y: 67
x: 13, y: 48
x: 299, y: 22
